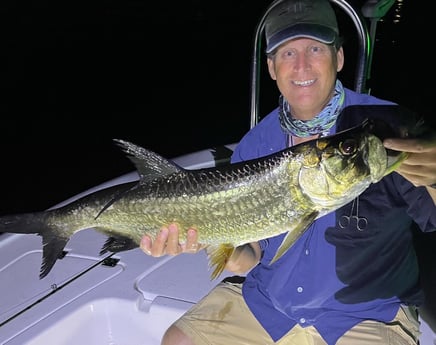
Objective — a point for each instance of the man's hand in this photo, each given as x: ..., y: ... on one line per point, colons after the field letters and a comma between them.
x: 420, y: 166
x: 167, y: 242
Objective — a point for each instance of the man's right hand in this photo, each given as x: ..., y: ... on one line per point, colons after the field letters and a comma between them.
x: 167, y: 242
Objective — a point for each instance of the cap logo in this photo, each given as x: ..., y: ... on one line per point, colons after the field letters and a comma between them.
x: 298, y: 7
x: 301, y: 7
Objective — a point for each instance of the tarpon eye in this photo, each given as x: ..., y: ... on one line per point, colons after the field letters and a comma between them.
x: 348, y: 147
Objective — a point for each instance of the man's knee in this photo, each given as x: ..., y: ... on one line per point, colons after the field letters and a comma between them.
x: 174, y: 335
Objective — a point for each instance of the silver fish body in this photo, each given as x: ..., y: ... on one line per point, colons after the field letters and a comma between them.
x: 228, y: 205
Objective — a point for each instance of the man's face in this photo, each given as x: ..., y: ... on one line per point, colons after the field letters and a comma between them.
x: 305, y: 71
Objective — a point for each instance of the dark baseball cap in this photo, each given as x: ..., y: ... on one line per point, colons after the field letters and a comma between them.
x: 291, y: 19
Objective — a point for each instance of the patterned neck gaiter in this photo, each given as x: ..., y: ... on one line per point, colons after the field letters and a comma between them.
x: 320, y: 124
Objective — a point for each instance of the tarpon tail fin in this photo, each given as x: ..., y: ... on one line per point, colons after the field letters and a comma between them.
x: 35, y: 223
x: 218, y: 257
x: 293, y: 236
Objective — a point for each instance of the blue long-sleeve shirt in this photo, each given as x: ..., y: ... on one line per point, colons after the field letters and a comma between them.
x: 334, y: 277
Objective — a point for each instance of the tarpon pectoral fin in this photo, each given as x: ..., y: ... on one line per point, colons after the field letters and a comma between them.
x: 293, y: 236
x: 116, y: 244
x: 218, y: 257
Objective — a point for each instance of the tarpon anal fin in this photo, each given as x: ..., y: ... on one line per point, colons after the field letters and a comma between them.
x: 149, y: 164
x: 294, y: 234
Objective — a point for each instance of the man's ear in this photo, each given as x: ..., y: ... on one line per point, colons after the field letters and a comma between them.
x: 340, y: 59
x: 271, y: 70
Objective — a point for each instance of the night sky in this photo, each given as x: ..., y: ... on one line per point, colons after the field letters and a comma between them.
x: 173, y: 77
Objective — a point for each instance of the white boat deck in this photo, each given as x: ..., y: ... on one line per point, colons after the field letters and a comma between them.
x: 132, y: 302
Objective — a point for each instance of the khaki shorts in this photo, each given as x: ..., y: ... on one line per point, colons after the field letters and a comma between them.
x: 223, y: 318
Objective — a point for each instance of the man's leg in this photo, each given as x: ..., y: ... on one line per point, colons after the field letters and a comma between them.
x: 221, y: 317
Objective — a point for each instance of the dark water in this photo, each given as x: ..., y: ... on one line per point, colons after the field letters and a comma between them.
x: 173, y: 77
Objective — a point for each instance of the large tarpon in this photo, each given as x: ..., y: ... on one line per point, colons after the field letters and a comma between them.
x: 228, y: 205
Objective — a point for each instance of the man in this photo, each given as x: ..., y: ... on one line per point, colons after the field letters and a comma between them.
x: 344, y: 283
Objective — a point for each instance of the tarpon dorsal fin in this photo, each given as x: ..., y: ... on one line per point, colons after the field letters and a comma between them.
x: 149, y: 164
x: 293, y: 235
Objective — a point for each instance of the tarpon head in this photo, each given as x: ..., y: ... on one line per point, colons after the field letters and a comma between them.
x: 338, y: 168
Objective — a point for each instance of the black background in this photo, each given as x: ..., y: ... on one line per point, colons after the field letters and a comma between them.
x: 171, y: 76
